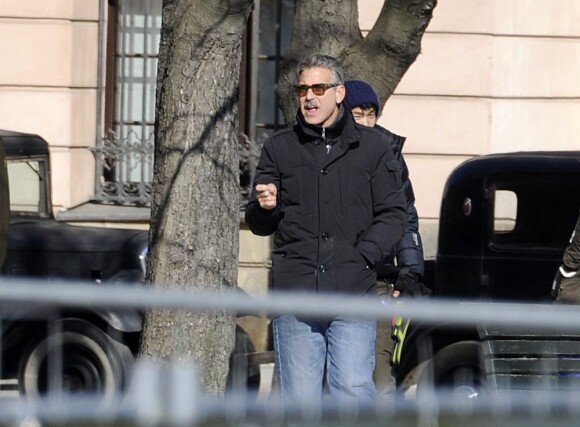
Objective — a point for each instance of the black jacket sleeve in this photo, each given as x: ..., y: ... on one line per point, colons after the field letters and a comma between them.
x: 261, y: 221
x: 409, y: 250
x: 389, y: 209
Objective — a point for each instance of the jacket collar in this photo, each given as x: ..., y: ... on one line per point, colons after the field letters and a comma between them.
x: 396, y: 141
x: 342, y: 129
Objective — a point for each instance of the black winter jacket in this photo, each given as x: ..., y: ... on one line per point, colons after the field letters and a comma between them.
x: 566, y: 285
x: 409, y: 250
x: 338, y: 212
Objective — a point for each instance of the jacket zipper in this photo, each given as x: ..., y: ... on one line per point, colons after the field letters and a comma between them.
x: 324, y: 139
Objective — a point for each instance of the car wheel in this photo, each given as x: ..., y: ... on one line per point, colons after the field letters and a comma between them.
x: 75, y: 357
x: 456, y: 372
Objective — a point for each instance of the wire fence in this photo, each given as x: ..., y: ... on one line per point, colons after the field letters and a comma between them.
x: 528, y: 360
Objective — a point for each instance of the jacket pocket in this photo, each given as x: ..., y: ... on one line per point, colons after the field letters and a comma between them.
x: 354, y: 190
x: 394, y: 169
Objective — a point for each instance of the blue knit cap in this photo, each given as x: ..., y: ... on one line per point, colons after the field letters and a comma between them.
x: 360, y: 93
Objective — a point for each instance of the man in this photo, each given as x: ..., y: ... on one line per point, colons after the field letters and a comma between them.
x: 404, y: 278
x: 566, y: 286
x: 331, y: 192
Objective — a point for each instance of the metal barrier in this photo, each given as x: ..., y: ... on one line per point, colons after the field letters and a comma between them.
x: 170, y: 395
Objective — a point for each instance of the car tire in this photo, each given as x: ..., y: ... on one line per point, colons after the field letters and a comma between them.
x: 455, y: 371
x: 89, y: 362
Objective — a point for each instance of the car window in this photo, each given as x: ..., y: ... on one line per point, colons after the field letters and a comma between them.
x: 534, y: 211
x: 27, y: 186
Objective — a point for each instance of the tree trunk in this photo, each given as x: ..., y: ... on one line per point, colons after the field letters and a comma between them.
x: 381, y: 58
x: 326, y: 27
x: 193, y: 240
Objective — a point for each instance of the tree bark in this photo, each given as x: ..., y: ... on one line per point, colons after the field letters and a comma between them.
x: 326, y: 27
x: 193, y: 239
x: 381, y: 58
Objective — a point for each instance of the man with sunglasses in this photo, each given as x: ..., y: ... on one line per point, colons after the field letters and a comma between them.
x: 331, y: 193
x: 405, y: 277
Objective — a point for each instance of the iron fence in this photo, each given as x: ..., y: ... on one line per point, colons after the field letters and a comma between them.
x: 170, y: 395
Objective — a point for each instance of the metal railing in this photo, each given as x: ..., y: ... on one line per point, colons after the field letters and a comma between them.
x: 125, y: 167
x: 170, y: 395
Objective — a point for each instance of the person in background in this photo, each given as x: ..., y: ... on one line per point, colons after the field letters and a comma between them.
x: 401, y: 272
x: 331, y: 192
x: 566, y: 286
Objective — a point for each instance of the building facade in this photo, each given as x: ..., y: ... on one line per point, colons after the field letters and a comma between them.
x: 493, y: 76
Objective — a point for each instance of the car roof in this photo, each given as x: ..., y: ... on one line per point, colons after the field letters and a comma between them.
x: 521, y: 161
x: 20, y: 144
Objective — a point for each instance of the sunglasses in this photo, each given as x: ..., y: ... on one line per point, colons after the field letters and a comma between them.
x: 318, y: 88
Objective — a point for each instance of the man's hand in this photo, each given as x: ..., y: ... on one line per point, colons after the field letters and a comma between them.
x: 266, y: 195
x: 405, y: 280
x: 407, y: 283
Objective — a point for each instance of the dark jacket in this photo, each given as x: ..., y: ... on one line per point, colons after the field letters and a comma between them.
x: 571, y: 258
x: 409, y: 250
x: 567, y: 280
x: 337, y: 213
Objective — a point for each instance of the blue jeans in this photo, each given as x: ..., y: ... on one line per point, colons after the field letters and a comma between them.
x: 341, y: 348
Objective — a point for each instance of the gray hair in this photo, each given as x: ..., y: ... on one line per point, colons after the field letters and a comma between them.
x: 322, y: 61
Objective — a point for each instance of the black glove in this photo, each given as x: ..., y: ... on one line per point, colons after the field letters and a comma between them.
x: 405, y: 279
x: 407, y: 283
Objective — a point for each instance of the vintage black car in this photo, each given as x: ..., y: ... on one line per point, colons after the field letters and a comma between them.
x: 505, y: 221
x: 43, y: 247
x: 98, y: 346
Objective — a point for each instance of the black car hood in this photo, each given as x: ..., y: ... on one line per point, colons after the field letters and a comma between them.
x: 49, y: 235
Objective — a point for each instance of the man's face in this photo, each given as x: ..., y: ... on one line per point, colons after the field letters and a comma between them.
x: 365, y: 116
x: 320, y: 109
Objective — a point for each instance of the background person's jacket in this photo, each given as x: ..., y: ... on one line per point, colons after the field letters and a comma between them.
x: 566, y: 284
x: 571, y: 258
x: 338, y: 212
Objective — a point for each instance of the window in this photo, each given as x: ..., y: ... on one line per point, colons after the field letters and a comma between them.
x: 276, y: 22
x: 125, y: 147
x: 535, y: 211
x: 505, y: 210
x: 28, y: 180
